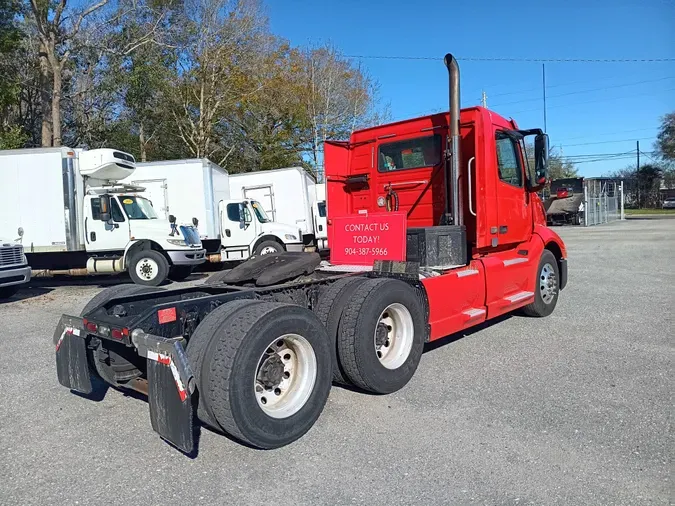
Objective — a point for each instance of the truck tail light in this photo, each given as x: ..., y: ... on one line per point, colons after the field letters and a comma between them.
x: 119, y: 334
x: 90, y: 326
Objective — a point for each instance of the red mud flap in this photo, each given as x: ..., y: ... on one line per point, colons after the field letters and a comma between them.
x: 72, y: 368
x: 170, y: 388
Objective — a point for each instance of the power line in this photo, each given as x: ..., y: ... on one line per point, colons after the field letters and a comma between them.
x: 609, y: 142
x: 588, y: 91
x: 591, y: 101
x: 514, y: 59
x: 606, y: 133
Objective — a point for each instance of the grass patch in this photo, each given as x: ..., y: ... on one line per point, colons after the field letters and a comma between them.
x: 649, y: 211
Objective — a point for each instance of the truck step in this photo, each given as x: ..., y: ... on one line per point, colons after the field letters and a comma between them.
x: 473, y: 313
x: 517, y: 297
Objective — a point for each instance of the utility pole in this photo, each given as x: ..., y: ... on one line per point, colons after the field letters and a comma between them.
x: 543, y: 81
x: 638, y: 155
x: 483, y: 99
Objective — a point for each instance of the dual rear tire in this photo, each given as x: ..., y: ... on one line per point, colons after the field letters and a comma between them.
x: 266, y: 379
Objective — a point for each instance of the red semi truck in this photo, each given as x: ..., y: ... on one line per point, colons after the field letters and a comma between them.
x: 459, y: 237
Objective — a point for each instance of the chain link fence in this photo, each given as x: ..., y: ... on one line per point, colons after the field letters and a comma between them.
x: 602, y: 201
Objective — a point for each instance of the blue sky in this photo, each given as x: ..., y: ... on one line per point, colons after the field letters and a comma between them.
x: 599, y: 104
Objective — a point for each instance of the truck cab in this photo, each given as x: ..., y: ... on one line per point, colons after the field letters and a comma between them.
x: 247, y: 230
x: 121, y: 229
x: 469, y: 197
x: 14, y: 268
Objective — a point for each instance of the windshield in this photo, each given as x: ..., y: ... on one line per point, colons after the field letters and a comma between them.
x: 260, y: 212
x: 138, y: 208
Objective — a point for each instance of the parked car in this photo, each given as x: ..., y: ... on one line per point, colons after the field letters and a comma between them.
x: 14, y: 269
x: 669, y: 203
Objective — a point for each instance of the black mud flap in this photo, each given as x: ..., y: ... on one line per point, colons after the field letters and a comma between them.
x: 170, y: 387
x: 71, y: 355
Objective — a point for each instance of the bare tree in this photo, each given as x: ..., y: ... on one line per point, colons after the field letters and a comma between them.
x: 57, y: 26
x: 224, y: 39
x: 339, y: 99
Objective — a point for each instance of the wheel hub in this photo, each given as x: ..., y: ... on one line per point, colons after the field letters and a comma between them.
x: 271, y: 371
x: 381, y: 335
x: 548, y: 283
x: 285, y: 376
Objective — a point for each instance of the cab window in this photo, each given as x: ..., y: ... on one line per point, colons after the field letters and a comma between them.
x: 233, y: 213
x: 115, y: 211
x: 410, y: 154
x: 95, y: 209
x: 508, y: 160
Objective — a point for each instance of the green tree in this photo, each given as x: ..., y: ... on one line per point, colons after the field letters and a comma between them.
x: 11, y: 135
x: 665, y: 140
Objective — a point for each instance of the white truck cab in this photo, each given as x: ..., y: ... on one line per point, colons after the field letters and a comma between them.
x: 87, y: 221
x: 245, y: 224
x: 14, y: 269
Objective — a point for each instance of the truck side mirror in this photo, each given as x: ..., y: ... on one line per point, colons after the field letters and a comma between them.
x: 540, y: 159
x: 104, y: 206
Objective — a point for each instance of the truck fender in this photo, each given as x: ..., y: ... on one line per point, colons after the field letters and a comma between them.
x: 142, y: 244
x: 555, y: 245
x: 267, y: 237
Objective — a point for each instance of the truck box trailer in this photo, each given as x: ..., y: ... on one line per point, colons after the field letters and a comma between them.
x: 73, y: 217
x: 288, y: 196
x: 421, y: 217
x: 231, y: 227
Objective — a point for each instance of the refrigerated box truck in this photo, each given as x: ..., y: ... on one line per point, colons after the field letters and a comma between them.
x: 287, y: 195
x: 72, y: 216
x: 231, y: 227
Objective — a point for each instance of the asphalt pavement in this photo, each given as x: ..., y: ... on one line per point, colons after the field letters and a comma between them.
x: 576, y: 408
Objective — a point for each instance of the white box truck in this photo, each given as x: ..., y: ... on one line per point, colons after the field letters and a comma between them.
x: 231, y: 228
x: 287, y: 196
x: 74, y: 217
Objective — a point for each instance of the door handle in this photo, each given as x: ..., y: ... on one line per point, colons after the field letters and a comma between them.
x: 227, y: 232
x: 406, y: 183
x: 469, y: 181
x: 86, y: 232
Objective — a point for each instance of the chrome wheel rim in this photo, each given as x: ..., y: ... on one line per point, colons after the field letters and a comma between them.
x: 285, y: 376
x: 267, y: 250
x: 394, y: 336
x: 548, y: 283
x: 147, y: 269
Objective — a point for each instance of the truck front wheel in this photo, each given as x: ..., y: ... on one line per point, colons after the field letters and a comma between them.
x: 148, y: 268
x: 546, y: 288
x: 381, y: 335
x: 266, y: 372
x: 267, y: 247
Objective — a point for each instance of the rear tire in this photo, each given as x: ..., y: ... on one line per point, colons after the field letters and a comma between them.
x: 196, y: 348
x: 332, y: 302
x: 113, y: 367
x: 381, y: 335
x: 148, y: 268
x: 546, y: 289
x: 245, y: 369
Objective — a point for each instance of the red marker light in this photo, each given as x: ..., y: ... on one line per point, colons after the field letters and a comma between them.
x: 117, y: 334
x: 90, y: 326
x: 167, y: 315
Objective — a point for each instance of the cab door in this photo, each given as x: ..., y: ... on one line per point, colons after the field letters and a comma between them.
x: 112, y: 235
x: 410, y: 177
x: 238, y: 229
x: 514, y: 215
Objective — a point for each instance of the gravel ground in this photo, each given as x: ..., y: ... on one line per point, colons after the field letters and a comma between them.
x: 576, y: 408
